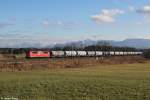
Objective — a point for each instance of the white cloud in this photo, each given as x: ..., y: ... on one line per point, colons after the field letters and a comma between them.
x: 117, y: 36
x: 107, y: 15
x: 45, y: 23
x: 139, y: 23
x: 145, y: 9
x: 131, y: 8
x: 59, y: 24
x: 5, y: 24
x: 103, y: 18
x: 29, y: 40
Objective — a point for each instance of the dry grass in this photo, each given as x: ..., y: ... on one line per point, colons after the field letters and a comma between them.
x: 23, y: 64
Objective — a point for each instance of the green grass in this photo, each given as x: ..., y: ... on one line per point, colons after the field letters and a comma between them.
x: 109, y: 82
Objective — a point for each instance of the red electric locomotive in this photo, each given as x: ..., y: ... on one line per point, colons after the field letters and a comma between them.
x: 37, y: 53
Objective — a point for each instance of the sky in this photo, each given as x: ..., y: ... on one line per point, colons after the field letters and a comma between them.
x: 51, y: 21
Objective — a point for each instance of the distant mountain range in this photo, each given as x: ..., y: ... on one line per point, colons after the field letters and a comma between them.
x: 137, y: 43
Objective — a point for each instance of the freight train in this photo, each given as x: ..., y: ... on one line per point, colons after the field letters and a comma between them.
x: 63, y: 54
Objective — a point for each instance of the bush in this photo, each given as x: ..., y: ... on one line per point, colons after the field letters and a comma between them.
x: 146, y: 54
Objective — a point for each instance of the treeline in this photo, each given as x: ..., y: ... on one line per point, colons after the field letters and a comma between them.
x: 146, y: 53
x: 13, y: 50
x: 99, y: 46
x: 86, y: 48
x: 96, y: 48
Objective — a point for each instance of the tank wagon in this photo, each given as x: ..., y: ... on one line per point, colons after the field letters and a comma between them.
x: 57, y: 54
x: 91, y: 53
x: 62, y: 54
x: 81, y: 53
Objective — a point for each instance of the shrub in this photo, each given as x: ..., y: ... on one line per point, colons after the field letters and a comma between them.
x: 146, y: 54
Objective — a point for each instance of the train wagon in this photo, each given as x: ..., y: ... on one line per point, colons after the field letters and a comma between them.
x: 106, y: 53
x: 91, y: 53
x: 57, y: 54
x: 112, y: 53
x: 125, y: 53
x: 99, y: 53
x: 81, y: 53
x: 38, y: 54
x: 70, y: 53
x: 117, y: 53
x: 121, y: 53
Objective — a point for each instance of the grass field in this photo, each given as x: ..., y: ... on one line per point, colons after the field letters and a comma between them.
x: 107, y: 82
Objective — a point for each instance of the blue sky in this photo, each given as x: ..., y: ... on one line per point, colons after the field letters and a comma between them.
x: 65, y: 20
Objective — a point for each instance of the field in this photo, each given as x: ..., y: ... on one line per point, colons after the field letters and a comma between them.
x: 100, y: 82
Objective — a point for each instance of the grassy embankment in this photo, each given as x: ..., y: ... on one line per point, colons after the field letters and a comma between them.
x: 107, y: 82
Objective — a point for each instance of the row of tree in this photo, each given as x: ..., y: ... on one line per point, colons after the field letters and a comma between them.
x: 146, y: 53
x: 86, y: 48
x: 95, y: 48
